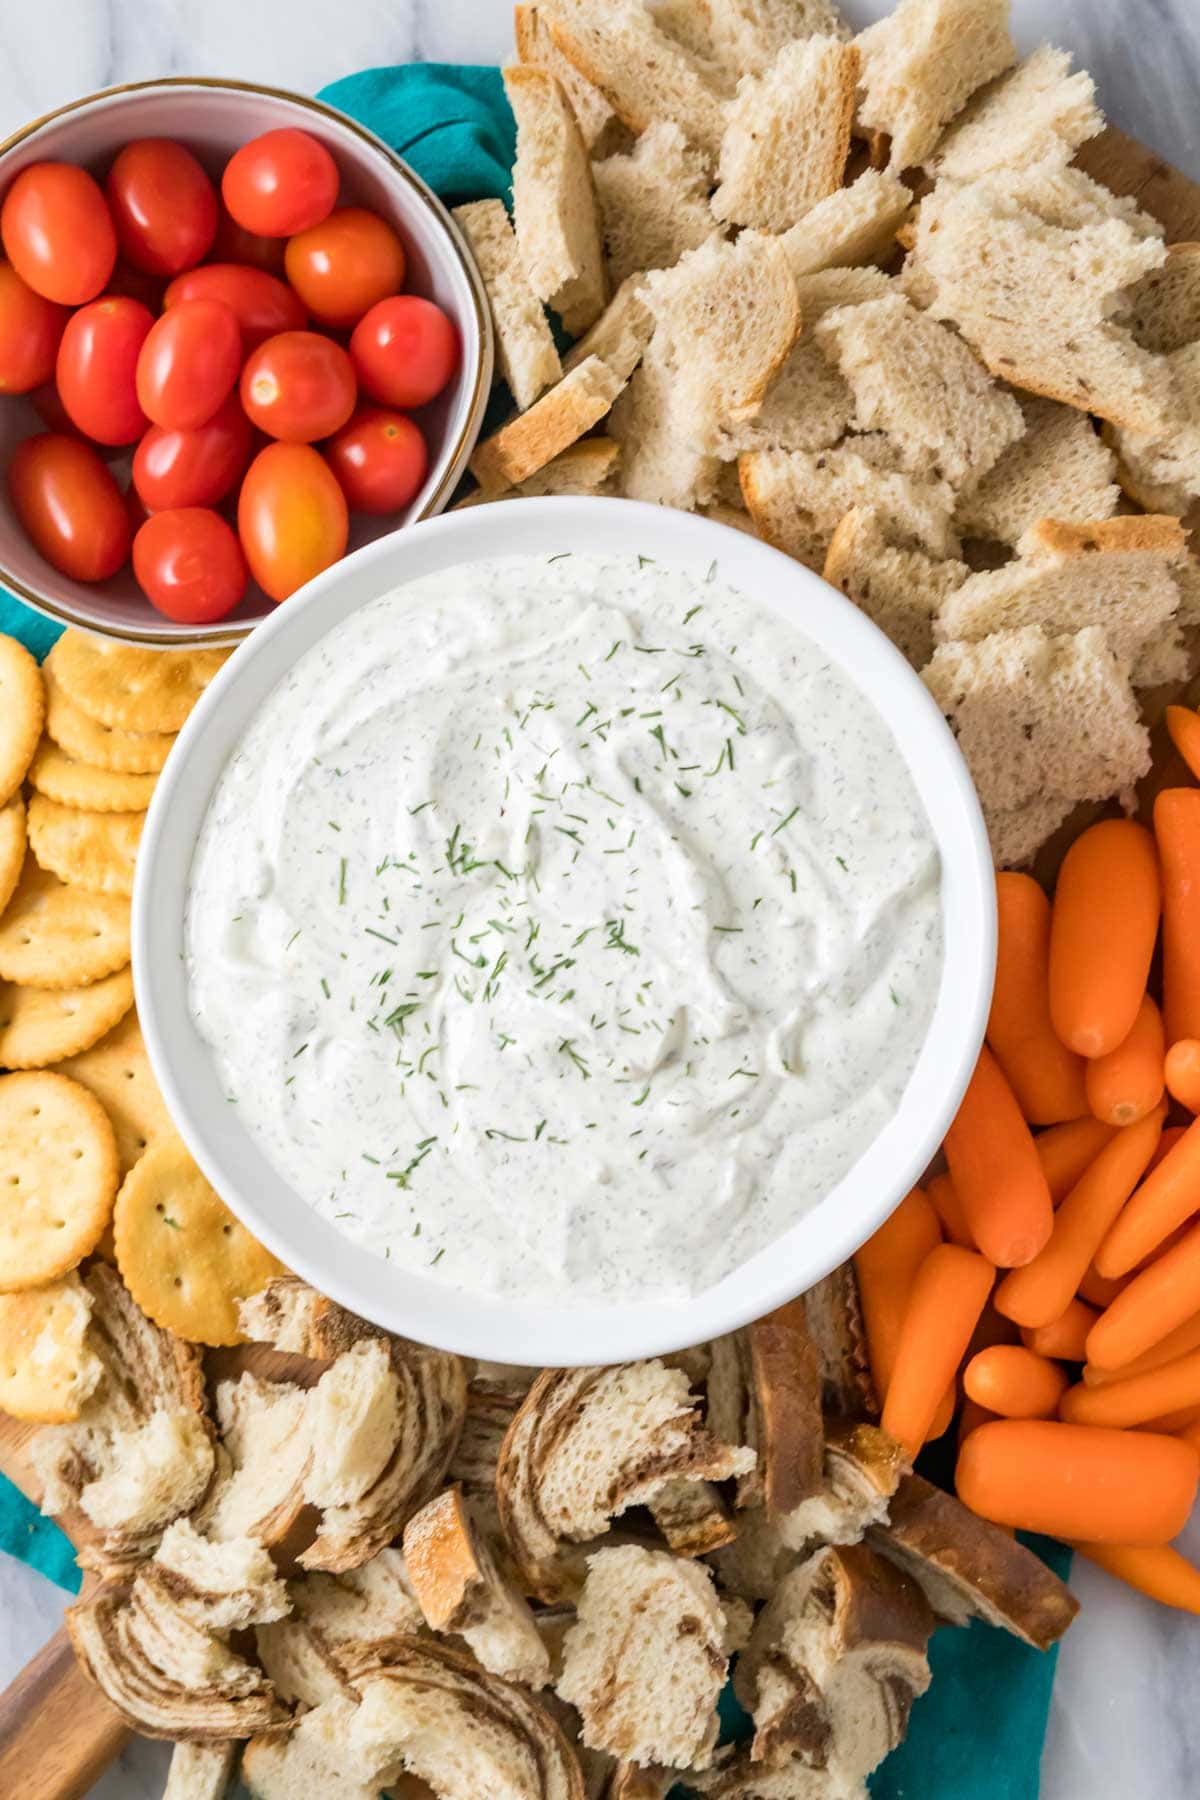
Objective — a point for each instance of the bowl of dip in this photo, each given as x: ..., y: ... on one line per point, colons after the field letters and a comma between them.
x: 564, y: 931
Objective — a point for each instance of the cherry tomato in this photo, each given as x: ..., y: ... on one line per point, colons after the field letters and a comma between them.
x: 97, y: 366
x: 341, y: 267
x: 30, y: 329
x: 264, y: 305
x: 298, y: 386
x: 379, y: 459
x: 189, y: 564
x: 404, y: 351
x: 70, y: 506
x: 234, y: 244
x: 291, y: 518
x: 163, y: 206
x: 189, y: 364
x: 194, y: 468
x: 58, y: 233
x: 280, y: 183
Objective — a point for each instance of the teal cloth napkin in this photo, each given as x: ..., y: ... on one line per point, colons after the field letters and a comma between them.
x: 977, y: 1734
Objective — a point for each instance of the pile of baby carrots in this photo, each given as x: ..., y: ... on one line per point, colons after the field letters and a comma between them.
x: 1046, y: 1288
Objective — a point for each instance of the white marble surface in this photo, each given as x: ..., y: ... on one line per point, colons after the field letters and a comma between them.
x: 1125, y: 1724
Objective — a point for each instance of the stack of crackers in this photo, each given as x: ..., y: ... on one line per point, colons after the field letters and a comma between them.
x: 89, y: 1163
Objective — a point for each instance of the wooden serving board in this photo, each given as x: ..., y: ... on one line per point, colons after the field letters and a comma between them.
x: 57, y: 1734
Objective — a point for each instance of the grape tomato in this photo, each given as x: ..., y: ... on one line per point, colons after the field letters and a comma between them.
x: 163, y: 205
x: 58, y: 232
x: 280, y: 183
x: 404, y: 351
x: 189, y: 363
x: 70, y: 506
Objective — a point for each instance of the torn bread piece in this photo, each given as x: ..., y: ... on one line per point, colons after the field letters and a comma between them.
x: 749, y: 34
x: 764, y: 1390
x: 832, y: 1314
x: 644, y: 74
x: 798, y: 498
x: 901, y: 589
x: 218, y: 1587
x: 788, y: 135
x: 307, y: 1761
x: 1160, y: 470
x: 491, y: 1407
x: 200, y: 1771
x: 599, y: 126
x: 588, y: 467
x: 856, y: 224
x: 585, y: 1446
x: 620, y: 335
x: 1060, y: 469
x: 822, y: 290
x: 1163, y: 310
x: 302, y: 1667
x: 333, y: 1615
x: 1024, y: 706
x: 915, y: 379
x: 461, y: 1591
x: 922, y: 63
x: 266, y: 1450
x: 524, y: 343
x: 693, y: 1517
x: 554, y: 202
x: 1037, y: 114
x: 653, y: 422
x: 646, y: 1658
x: 970, y: 1569
x: 1116, y: 574
x: 653, y: 202
x: 808, y: 406
x: 354, y: 1423
x: 294, y: 1318
x: 559, y: 419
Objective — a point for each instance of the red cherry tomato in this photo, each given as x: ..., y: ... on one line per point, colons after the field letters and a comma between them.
x: 70, y: 506
x: 341, y: 267
x: 234, y: 244
x: 97, y: 367
x: 404, y: 351
x: 189, y: 564
x: 264, y: 305
x: 379, y: 459
x: 163, y: 206
x: 30, y: 329
x: 189, y: 364
x: 280, y: 183
x: 298, y: 386
x: 194, y: 468
x: 291, y: 518
x: 58, y: 233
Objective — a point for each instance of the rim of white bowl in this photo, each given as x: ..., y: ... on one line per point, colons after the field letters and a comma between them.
x: 564, y: 1330
x: 456, y: 454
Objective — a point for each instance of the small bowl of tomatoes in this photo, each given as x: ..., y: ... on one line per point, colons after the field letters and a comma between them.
x: 239, y: 338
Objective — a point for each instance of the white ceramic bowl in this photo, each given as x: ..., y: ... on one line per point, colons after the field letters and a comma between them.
x: 577, y: 1331
x: 213, y: 118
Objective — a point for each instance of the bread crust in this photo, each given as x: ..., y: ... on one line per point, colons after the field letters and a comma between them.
x: 528, y: 442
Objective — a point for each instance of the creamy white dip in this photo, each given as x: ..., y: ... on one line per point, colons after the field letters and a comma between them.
x: 565, y: 925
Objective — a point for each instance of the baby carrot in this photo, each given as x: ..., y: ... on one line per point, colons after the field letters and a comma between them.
x: 1159, y: 1298
x: 1015, y: 1382
x: 1125, y: 1085
x: 886, y: 1266
x: 970, y: 1418
x: 1173, y: 1424
x: 1166, y: 1144
x: 1066, y: 1150
x: 996, y: 1172
x: 1156, y: 1569
x: 1046, y: 1077
x: 1180, y: 1342
x: 1102, y: 933
x: 1065, y: 1337
x: 943, y: 1197
x: 1100, y: 1293
x: 1182, y: 1071
x: 1164, y: 1201
x: 947, y: 1297
x: 1078, y: 1481
x: 1041, y: 1291
x: 1137, y: 1398
x: 1177, y: 830
x: 1183, y: 727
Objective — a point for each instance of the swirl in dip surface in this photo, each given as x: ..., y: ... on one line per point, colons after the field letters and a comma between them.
x: 565, y: 925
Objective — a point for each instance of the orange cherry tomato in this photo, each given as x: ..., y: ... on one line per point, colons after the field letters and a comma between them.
x: 163, y: 206
x: 263, y: 304
x: 58, y: 233
x: 298, y: 386
x: 189, y: 363
x: 379, y: 459
x: 404, y: 351
x: 194, y: 468
x: 30, y: 329
x: 341, y: 267
x: 70, y: 506
x: 96, y: 371
x: 234, y: 244
x: 189, y: 564
x: 280, y: 183
x: 292, y: 518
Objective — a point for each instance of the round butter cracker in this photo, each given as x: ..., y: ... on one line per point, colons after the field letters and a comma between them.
x: 182, y: 1254
x: 101, y: 746
x: 134, y: 689
x: 47, y: 1369
x: 117, y: 1070
x: 13, y: 844
x: 92, y: 850
x: 60, y: 778
x: 40, y: 1026
x: 58, y: 1177
x: 22, y: 711
x: 54, y: 936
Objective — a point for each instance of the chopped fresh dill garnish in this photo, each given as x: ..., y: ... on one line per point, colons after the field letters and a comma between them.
x: 414, y: 810
x: 371, y: 932
x: 895, y: 996
x: 559, y: 557
x: 342, y: 882
x: 299, y: 1052
x: 778, y: 828
x: 643, y: 560
x: 324, y: 987
x: 692, y: 611
x: 567, y: 1048
x: 641, y: 1099
x: 842, y: 863
x: 729, y: 929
